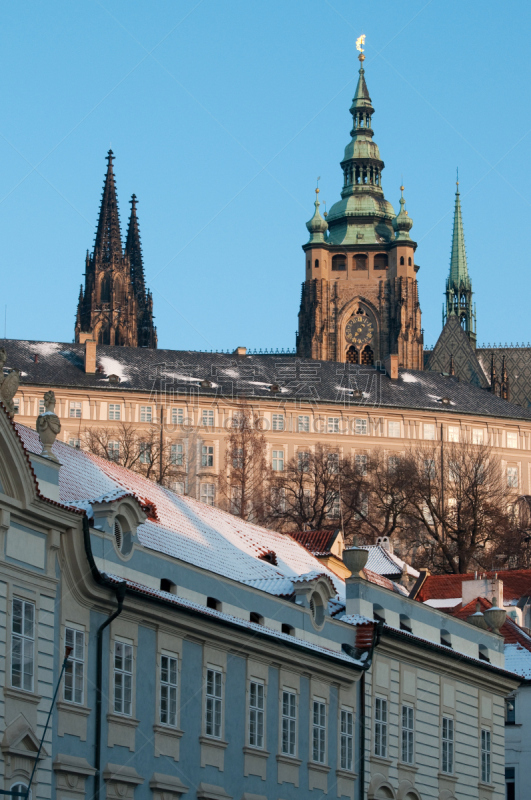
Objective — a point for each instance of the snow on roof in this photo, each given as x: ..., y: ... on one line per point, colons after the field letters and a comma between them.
x: 516, y: 584
x: 186, y: 529
x: 111, y: 366
x: 518, y: 659
x: 442, y: 602
x: 252, y: 626
x: 384, y: 562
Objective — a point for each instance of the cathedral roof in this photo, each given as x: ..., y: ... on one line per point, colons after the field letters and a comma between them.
x: 458, y: 266
x: 518, y: 365
x: 282, y: 378
x: 454, y: 347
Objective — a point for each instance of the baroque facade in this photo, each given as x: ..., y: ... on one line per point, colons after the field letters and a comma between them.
x: 360, y: 301
x: 115, y: 307
x: 214, y: 659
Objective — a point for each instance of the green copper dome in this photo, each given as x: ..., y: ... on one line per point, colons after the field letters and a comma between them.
x: 402, y: 223
x: 317, y: 225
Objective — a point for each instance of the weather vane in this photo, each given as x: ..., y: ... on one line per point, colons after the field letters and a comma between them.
x: 360, y: 43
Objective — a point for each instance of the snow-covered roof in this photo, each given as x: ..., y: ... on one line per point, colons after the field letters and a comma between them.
x: 518, y: 659
x: 384, y: 562
x: 187, y: 529
x: 442, y: 603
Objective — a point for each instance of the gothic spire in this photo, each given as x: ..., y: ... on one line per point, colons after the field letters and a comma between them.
x: 133, y: 249
x: 108, y: 243
x: 458, y: 285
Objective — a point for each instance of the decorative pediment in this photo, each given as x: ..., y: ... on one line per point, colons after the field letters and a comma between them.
x: 19, y: 739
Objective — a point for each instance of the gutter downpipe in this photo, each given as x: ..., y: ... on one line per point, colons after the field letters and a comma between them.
x: 120, y: 596
x: 375, y: 641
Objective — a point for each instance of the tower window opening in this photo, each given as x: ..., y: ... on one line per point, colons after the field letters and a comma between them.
x: 316, y: 263
x: 357, y: 174
x: 105, y: 289
x: 409, y: 261
x: 401, y: 261
x: 353, y: 355
x: 367, y: 356
x: 380, y: 261
x: 339, y: 263
x: 360, y: 262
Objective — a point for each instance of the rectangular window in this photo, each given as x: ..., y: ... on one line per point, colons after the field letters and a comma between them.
x: 16, y: 404
x: 237, y: 458
x: 168, y: 690
x: 347, y: 739
x: 360, y: 460
x: 278, y: 499
x: 408, y: 723
x: 207, y: 455
x: 393, y: 463
x: 114, y: 411
x: 510, y: 783
x: 477, y: 436
x: 256, y: 714
x: 123, y: 678
x: 333, y: 425
x: 429, y: 430
x: 278, y: 422
x: 42, y: 409
x: 510, y: 710
x: 213, y: 703
x: 145, y: 452
x: 332, y: 463
x: 207, y: 493
x: 485, y: 755
x: 145, y: 414
x: 113, y: 451
x: 177, y: 487
x: 208, y: 418
x: 453, y: 433
x: 74, y: 443
x: 334, y: 510
x: 319, y: 732
x: 360, y: 427
x: 237, y: 419
x: 512, y: 477
x: 429, y: 468
x: 235, y: 500
x: 304, y: 424
x: 512, y: 439
x: 393, y: 429
x: 447, y: 745
x: 177, y: 416
x: 303, y: 461
x: 73, y: 683
x: 380, y: 727
x: 75, y: 410
x: 177, y: 455
x: 22, y: 644
x: 289, y: 723
x: 278, y: 460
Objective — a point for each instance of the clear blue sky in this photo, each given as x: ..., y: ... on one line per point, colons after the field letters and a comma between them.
x: 221, y: 114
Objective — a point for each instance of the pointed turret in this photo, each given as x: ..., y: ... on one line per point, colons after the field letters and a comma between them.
x: 133, y: 249
x: 108, y: 243
x: 362, y: 213
x: 317, y: 225
x: 459, y: 286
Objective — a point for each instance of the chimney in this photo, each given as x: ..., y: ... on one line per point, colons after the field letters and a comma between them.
x: 482, y: 587
x: 84, y: 336
x: 391, y: 366
x: 240, y: 351
x: 90, y: 356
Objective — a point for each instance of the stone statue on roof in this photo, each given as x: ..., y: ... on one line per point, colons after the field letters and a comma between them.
x: 48, y: 426
x: 8, y: 384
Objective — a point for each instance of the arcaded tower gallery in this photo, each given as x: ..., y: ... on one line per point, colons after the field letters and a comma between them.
x: 360, y: 295
x: 115, y: 307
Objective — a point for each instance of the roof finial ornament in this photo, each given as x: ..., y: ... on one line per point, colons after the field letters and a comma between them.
x: 360, y: 45
x: 457, y: 179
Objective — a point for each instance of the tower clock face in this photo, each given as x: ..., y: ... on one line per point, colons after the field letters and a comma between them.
x: 359, y: 330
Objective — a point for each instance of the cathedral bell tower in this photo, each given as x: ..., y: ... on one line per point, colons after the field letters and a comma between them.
x: 360, y: 296
x: 459, y: 286
x: 114, y: 307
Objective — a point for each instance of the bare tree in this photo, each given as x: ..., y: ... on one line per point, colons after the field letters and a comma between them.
x: 244, y: 482
x: 140, y: 451
x: 306, y: 494
x: 460, y: 511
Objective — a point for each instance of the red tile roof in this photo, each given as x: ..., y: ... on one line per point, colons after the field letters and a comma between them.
x: 511, y: 632
x: 315, y: 541
x: 516, y: 584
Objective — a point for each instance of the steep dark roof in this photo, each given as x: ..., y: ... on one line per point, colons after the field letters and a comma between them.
x: 453, y: 343
x: 518, y: 365
x: 283, y: 378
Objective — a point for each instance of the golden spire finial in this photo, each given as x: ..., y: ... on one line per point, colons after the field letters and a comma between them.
x: 360, y: 44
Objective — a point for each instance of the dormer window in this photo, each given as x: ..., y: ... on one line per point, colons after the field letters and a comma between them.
x: 378, y: 613
x: 446, y: 639
x: 405, y: 623
x: 257, y: 618
x: 123, y: 538
x: 167, y: 586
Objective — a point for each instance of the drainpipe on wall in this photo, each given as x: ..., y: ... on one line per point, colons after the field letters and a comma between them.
x: 120, y: 596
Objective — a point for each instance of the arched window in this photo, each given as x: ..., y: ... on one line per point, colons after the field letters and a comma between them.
x: 316, y: 263
x: 409, y: 261
x: 380, y: 261
x: 105, y: 289
x: 360, y: 262
x: 367, y: 356
x: 339, y: 263
x: 21, y: 788
x: 104, y: 336
x: 352, y: 355
x: 401, y: 261
x: 118, y: 338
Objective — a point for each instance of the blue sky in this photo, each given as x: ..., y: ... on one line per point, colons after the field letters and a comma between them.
x: 221, y: 114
